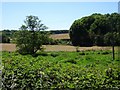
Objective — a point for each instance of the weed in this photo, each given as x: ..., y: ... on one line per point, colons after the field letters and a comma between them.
x: 71, y: 61
x: 65, y: 71
x: 54, y: 54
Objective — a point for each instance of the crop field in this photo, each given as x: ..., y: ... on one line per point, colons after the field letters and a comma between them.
x: 80, y: 70
x: 12, y: 47
x: 60, y: 36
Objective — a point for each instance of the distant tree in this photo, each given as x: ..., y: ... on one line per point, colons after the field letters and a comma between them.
x: 29, y: 38
x: 4, y: 38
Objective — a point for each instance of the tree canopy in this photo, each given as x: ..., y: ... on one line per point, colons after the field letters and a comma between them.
x: 95, y: 30
x: 29, y: 38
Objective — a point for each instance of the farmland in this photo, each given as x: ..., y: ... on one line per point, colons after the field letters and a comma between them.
x: 60, y: 36
x: 60, y: 66
x: 12, y: 47
x: 80, y: 70
x: 60, y: 46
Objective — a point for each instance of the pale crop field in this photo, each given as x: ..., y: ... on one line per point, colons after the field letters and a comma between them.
x: 12, y: 47
x: 60, y: 36
x: 7, y: 47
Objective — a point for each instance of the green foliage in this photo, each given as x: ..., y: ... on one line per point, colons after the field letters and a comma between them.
x: 7, y: 36
x: 54, y: 54
x: 71, y: 61
x: 30, y: 38
x: 112, y: 38
x: 57, y: 42
x: 105, y: 52
x: 95, y: 29
x: 4, y: 38
x: 79, y: 34
x: 58, y: 31
x: 63, y: 70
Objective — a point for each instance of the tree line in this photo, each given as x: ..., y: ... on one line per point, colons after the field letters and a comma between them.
x: 7, y: 36
x: 96, y: 29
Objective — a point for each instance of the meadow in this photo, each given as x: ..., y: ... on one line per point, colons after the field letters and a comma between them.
x: 90, y: 69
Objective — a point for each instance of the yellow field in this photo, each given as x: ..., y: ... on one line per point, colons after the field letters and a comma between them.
x: 12, y: 47
x: 7, y: 47
x: 60, y: 36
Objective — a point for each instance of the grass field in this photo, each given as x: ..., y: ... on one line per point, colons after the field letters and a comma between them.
x: 81, y: 70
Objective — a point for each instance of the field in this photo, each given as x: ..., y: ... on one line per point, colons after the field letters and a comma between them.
x: 12, y: 47
x: 60, y: 66
x: 81, y: 70
x: 60, y: 36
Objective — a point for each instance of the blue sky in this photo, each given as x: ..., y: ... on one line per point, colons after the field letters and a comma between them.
x: 55, y: 15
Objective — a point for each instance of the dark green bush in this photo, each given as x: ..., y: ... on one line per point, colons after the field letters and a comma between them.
x: 71, y: 61
x: 54, y: 54
x: 105, y: 52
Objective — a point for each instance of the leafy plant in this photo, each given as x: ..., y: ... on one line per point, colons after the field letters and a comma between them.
x: 65, y: 70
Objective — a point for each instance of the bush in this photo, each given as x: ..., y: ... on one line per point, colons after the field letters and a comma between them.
x: 4, y: 39
x: 54, y: 54
x: 71, y: 61
x: 105, y: 52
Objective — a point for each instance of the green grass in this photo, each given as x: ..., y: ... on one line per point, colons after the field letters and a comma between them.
x: 84, y: 70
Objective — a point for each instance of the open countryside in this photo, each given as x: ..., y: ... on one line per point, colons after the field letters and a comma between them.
x: 84, y: 57
x: 61, y: 66
x: 12, y: 47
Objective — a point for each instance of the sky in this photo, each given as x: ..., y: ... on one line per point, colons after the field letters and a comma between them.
x: 55, y: 15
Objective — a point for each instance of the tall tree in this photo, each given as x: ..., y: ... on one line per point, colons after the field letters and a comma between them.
x: 29, y: 37
x: 93, y: 29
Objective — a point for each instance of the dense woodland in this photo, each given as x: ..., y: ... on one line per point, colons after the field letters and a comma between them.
x: 96, y: 29
x: 7, y: 36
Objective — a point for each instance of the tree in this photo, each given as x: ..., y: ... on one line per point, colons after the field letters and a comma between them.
x: 108, y: 38
x: 29, y: 38
x: 79, y: 31
x: 93, y: 29
x: 4, y: 38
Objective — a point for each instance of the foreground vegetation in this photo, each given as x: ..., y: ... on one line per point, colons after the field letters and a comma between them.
x: 80, y: 70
